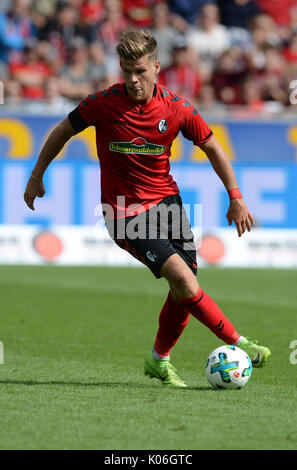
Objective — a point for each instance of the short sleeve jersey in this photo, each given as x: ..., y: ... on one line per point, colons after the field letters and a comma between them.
x: 134, y: 144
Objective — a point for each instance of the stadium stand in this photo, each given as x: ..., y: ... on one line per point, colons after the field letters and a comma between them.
x: 235, y: 52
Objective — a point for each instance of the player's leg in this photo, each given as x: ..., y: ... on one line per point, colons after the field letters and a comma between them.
x: 187, y: 293
x: 172, y: 321
x: 153, y: 254
x: 174, y: 316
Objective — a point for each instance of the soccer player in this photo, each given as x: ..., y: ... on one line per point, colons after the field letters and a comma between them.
x: 136, y: 122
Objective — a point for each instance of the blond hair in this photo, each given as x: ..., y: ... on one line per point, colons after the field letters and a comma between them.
x: 136, y: 44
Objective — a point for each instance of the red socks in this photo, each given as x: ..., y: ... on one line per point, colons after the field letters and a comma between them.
x: 202, y: 307
x: 172, y: 322
x: 174, y: 318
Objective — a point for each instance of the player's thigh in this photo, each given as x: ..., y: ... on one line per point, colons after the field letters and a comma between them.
x: 152, y: 253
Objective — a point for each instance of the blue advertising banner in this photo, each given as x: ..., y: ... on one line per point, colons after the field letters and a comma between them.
x: 21, y: 137
x: 263, y: 156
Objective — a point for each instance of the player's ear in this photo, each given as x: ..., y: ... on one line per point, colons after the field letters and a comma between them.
x: 157, y: 67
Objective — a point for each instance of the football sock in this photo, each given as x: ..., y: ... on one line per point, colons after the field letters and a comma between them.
x: 158, y: 357
x: 172, y: 322
x: 239, y: 340
x: 202, y: 307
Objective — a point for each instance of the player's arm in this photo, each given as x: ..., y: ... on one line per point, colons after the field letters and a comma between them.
x: 238, y: 211
x: 53, y: 145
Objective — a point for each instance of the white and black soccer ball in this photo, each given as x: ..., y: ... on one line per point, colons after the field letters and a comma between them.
x: 228, y: 367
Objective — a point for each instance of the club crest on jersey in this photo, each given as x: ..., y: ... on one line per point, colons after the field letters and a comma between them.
x: 163, y: 126
x: 138, y: 145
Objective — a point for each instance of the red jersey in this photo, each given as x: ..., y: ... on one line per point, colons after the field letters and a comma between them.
x: 134, y: 143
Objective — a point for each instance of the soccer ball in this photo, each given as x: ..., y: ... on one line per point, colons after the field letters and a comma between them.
x: 228, y: 367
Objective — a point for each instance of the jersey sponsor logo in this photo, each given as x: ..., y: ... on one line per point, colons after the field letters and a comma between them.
x: 138, y: 146
x: 163, y: 126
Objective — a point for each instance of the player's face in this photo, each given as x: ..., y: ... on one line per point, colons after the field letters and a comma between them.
x: 139, y: 76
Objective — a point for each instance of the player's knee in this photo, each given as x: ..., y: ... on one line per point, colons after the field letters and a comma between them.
x: 180, y: 277
x: 186, y: 286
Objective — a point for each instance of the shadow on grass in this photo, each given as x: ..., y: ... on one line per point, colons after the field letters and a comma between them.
x: 97, y: 384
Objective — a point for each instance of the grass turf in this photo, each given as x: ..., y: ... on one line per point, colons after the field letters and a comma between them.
x: 75, y: 340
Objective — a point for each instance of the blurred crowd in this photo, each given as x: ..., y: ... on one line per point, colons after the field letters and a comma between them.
x: 216, y: 54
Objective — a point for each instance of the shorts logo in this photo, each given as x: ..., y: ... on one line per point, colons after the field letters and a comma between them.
x: 151, y: 256
x: 163, y: 126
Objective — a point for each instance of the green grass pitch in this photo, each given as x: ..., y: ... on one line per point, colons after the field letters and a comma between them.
x: 74, y: 344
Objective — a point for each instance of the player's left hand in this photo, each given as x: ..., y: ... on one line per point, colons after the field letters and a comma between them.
x: 239, y: 213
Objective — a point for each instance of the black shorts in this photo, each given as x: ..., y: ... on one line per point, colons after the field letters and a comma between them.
x: 156, y: 234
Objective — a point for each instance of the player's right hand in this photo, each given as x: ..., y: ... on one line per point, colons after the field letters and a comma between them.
x: 34, y: 188
x: 240, y: 214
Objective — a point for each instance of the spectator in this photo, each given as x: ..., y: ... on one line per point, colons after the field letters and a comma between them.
x: 55, y: 103
x: 112, y: 26
x: 266, y: 59
x: 139, y: 12
x: 32, y: 73
x: 16, y: 27
x: 44, y: 7
x: 181, y: 76
x: 282, y: 11
x: 77, y: 78
x: 164, y: 33
x: 91, y: 12
x: 12, y: 93
x: 60, y: 31
x: 290, y: 51
x: 293, y: 14
x: 184, y: 13
x: 236, y: 15
x: 252, y: 95
x: 76, y: 3
x: 228, y: 75
x: 279, y: 10
x: 209, y: 38
x: 263, y: 33
x: 237, y: 12
x: 208, y: 99
x: 272, y: 77
x: 108, y: 34
x: 3, y: 71
x: 254, y: 104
